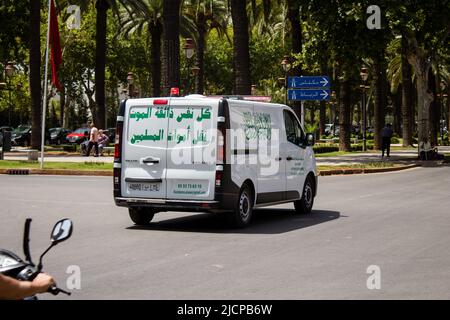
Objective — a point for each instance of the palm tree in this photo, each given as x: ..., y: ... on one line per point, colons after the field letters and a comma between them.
x: 151, y: 20
x: 400, y: 78
x: 171, y: 44
x: 241, y: 51
x: 35, y: 72
x: 102, y: 7
x: 206, y: 15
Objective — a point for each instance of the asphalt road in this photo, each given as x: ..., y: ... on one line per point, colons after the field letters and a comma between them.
x: 397, y: 221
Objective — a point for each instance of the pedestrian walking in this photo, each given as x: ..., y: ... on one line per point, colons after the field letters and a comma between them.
x: 93, y: 141
x: 386, y: 135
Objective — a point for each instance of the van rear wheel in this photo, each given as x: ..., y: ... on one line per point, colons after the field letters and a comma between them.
x: 243, y: 211
x: 305, y: 204
x: 141, y: 216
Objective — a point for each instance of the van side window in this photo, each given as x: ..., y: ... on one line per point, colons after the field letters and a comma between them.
x: 294, y: 132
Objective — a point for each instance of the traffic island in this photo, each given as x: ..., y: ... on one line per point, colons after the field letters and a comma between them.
x: 343, y: 171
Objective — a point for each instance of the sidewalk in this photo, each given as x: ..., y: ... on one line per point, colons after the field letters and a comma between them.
x: 398, y: 156
x: 20, y: 154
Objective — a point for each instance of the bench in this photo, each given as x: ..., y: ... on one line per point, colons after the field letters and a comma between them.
x: 108, y: 150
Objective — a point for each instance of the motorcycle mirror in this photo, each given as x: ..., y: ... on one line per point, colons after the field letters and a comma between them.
x: 61, y: 231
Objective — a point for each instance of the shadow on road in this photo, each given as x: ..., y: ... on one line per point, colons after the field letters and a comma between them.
x: 264, y: 221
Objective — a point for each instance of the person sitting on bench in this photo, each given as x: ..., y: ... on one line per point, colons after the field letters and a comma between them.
x: 426, y: 151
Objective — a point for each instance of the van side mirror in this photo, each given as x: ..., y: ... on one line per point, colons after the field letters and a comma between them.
x: 310, y: 140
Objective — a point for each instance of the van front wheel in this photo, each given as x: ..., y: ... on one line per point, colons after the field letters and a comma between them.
x: 242, y: 214
x: 141, y: 216
x: 305, y: 204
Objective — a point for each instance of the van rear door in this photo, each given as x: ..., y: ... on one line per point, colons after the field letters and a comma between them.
x: 191, y: 149
x: 144, y: 147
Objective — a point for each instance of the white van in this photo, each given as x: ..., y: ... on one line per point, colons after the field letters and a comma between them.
x: 196, y: 153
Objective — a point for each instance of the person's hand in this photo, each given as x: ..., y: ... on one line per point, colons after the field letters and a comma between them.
x: 42, y: 282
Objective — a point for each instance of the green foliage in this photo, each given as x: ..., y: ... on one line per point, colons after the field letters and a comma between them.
x: 325, y: 148
x: 218, y: 63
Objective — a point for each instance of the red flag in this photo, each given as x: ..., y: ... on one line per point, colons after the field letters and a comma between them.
x: 56, y: 54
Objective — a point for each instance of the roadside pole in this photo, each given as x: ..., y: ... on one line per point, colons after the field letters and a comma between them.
x: 44, y: 99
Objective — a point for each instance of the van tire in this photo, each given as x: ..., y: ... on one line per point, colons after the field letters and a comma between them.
x: 305, y: 204
x: 141, y: 216
x: 242, y: 214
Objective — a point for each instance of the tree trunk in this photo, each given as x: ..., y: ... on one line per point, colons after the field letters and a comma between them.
x: 448, y: 106
x: 379, y: 76
x: 312, y: 114
x: 62, y: 105
x: 35, y: 73
x: 201, y: 27
x: 397, y: 105
x: 434, y: 109
x: 293, y: 15
x: 424, y: 97
x: 344, y: 115
x: 241, y: 51
x: 322, y: 117
x: 407, y: 95
x: 155, y: 33
x: 102, y: 7
x: 171, y: 45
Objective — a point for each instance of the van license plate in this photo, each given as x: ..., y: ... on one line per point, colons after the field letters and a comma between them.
x: 149, y: 187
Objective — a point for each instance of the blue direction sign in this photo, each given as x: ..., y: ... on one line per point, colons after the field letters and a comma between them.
x: 309, y: 82
x: 308, y: 94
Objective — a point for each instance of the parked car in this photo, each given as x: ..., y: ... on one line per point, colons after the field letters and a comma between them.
x: 58, y: 135
x: 6, y: 128
x: 21, y: 136
x: 78, y: 136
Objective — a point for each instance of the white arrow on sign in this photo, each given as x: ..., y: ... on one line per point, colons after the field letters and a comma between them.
x: 324, y: 82
x: 324, y: 94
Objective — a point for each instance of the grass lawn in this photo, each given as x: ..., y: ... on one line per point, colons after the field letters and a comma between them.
x: 87, y: 165
x: 369, y: 165
x: 334, y: 154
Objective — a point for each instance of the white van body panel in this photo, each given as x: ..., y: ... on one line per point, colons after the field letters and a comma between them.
x: 191, y: 157
x: 142, y: 180
x: 243, y: 151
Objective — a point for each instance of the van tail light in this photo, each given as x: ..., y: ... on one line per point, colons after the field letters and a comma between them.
x: 118, y: 142
x: 220, y: 148
x: 117, y: 171
x: 219, y: 175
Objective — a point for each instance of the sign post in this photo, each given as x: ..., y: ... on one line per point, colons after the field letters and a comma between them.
x: 308, y: 88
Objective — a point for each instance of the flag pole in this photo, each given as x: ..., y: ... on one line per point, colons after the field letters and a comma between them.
x: 44, y: 99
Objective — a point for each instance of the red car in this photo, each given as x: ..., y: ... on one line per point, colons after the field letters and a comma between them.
x: 78, y: 136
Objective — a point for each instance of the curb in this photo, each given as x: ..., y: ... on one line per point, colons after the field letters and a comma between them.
x: 105, y: 173
x: 61, y: 172
x: 365, y: 170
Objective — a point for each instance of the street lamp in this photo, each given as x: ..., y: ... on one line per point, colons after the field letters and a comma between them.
x: 442, y: 121
x: 130, y: 80
x: 9, y: 71
x: 189, y: 51
x: 333, y: 104
x: 364, y: 75
x: 195, y: 71
x: 286, y: 65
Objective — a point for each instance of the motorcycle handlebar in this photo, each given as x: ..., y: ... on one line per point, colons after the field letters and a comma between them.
x: 55, y: 290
